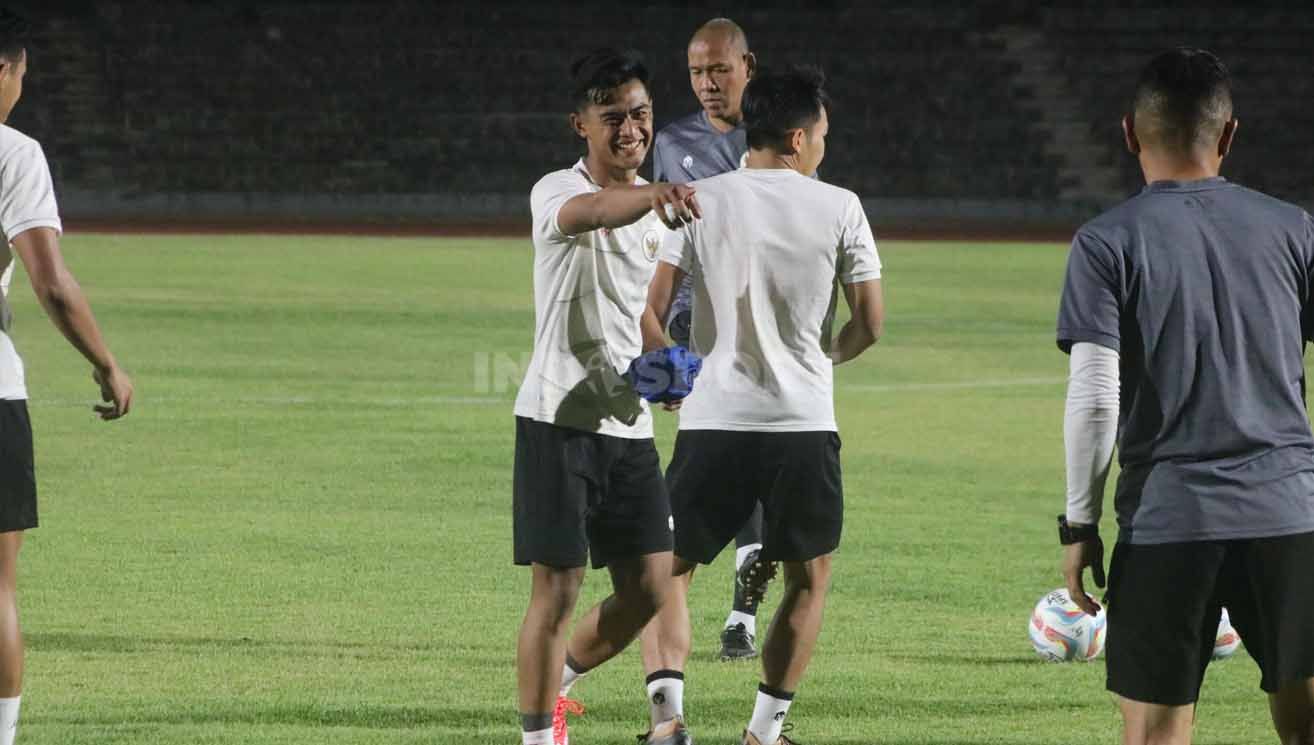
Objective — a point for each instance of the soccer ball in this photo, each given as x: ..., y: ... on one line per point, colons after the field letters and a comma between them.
x: 1227, y: 641
x: 1062, y: 632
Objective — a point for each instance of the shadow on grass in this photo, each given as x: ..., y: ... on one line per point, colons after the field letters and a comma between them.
x: 886, y: 740
x: 977, y: 660
x: 984, y: 739
x: 63, y: 641
x: 606, y: 717
x: 360, y: 716
x: 303, y: 715
x: 376, y: 652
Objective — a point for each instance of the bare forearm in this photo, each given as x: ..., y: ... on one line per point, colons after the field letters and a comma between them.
x: 654, y: 337
x: 620, y: 206
x: 866, y: 319
x: 68, y: 308
x: 661, y: 295
x: 613, y: 207
x: 853, y: 340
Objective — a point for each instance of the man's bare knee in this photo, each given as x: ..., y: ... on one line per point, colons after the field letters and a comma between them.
x: 812, y: 575
x: 11, y: 542
x: 644, y: 585
x: 1156, y: 724
x: 644, y: 596
x: 555, y: 592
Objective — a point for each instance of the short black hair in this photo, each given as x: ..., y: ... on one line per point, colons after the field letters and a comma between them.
x: 597, y: 74
x: 15, y: 32
x: 1183, y: 100
x: 776, y: 102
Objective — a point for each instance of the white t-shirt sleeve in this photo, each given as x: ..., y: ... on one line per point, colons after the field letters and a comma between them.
x: 27, y: 195
x: 858, y: 260
x: 550, y: 194
x: 677, y: 248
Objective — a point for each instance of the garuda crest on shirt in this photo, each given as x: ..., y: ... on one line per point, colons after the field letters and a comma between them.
x: 652, y: 243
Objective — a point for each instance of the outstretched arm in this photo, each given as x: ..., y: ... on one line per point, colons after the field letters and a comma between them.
x: 63, y: 300
x: 617, y: 206
x: 867, y: 310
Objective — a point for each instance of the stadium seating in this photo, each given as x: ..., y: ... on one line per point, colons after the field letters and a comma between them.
x: 349, y: 98
x: 414, y: 97
x: 1266, y: 50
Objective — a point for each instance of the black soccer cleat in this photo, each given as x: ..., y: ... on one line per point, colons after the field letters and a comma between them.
x: 673, y: 732
x: 751, y: 581
x: 737, y: 644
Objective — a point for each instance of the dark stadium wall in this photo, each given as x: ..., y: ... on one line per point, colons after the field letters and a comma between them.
x: 421, y: 112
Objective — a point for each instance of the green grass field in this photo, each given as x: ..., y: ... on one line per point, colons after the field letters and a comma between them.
x: 302, y: 532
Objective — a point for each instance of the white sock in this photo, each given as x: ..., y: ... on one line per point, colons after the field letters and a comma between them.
x: 769, y: 714
x: 569, y: 676
x: 742, y: 553
x: 8, y: 719
x: 736, y: 617
x: 666, y: 695
x: 538, y: 737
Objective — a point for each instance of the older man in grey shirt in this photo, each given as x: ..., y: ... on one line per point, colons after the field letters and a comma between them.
x: 1186, y: 310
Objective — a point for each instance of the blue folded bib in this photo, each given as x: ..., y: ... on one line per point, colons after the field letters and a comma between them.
x: 664, y: 375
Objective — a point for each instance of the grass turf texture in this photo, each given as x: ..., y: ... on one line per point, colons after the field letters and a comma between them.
x: 302, y: 532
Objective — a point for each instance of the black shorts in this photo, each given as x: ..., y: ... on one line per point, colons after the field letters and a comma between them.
x: 18, y: 497
x: 578, y: 492
x: 716, y: 479
x: 1164, y: 603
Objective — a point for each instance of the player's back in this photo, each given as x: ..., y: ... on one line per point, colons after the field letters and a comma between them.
x: 1213, y: 284
x: 765, y: 259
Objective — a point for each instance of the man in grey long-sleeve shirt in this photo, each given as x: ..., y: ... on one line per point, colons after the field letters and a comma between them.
x: 1188, y: 307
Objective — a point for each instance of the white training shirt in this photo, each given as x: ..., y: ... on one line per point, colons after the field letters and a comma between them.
x: 590, y: 291
x: 27, y: 200
x: 764, y: 260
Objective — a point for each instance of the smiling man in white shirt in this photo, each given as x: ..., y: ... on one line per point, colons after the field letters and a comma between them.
x: 587, y: 477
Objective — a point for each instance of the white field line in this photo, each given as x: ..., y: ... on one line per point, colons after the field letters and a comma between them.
x: 398, y: 402
x: 146, y: 400
x: 960, y: 385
